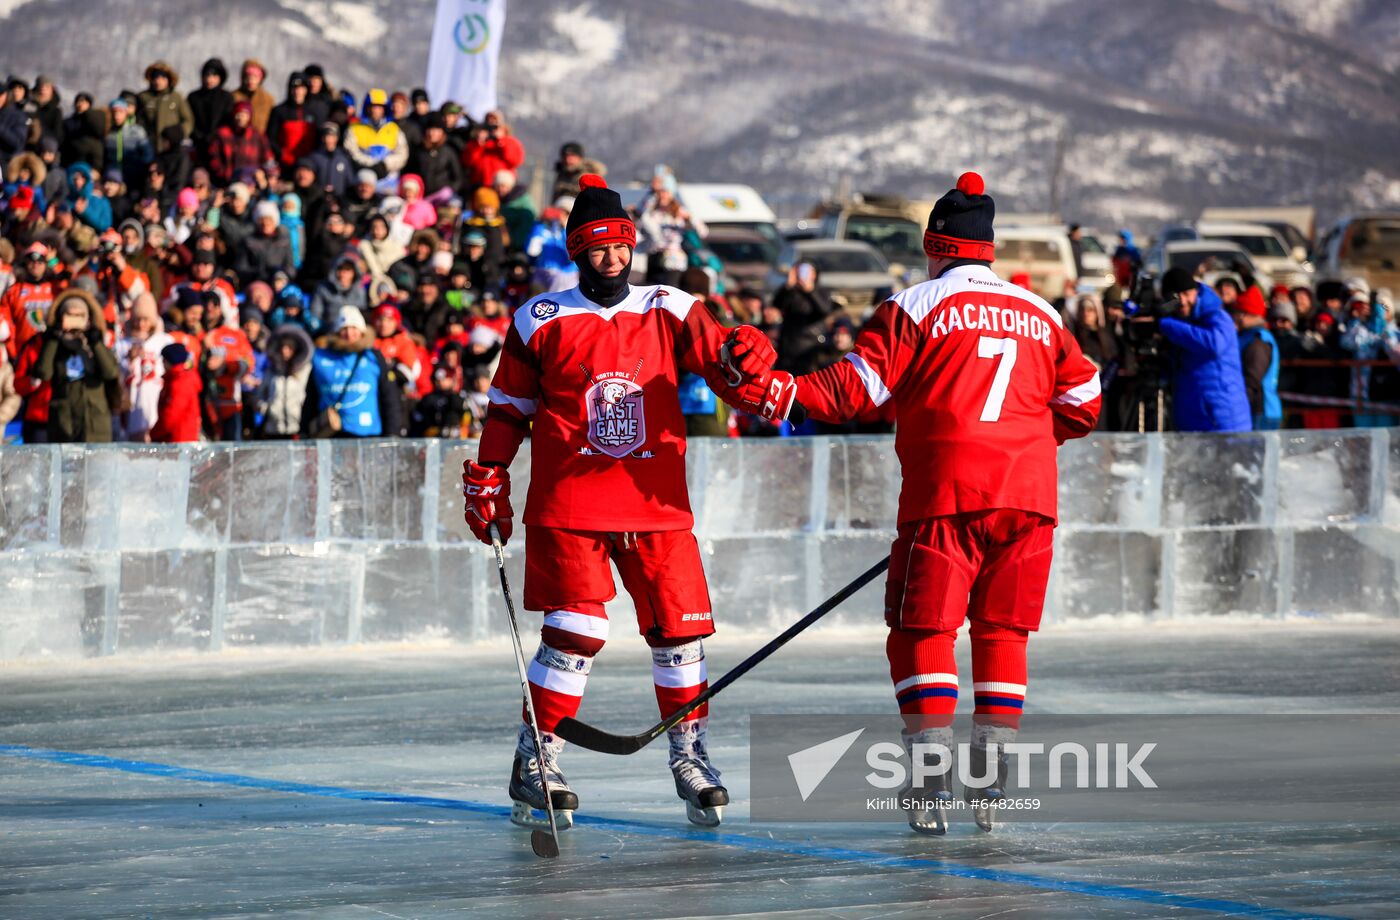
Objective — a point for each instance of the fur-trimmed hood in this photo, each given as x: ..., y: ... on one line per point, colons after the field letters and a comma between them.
x: 165, y: 66
x: 95, y: 317
x: 36, y: 166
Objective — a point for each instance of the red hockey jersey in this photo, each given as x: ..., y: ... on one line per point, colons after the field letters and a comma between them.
x: 599, y: 385
x: 986, y: 382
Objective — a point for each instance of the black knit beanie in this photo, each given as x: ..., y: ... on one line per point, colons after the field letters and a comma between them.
x: 960, y: 224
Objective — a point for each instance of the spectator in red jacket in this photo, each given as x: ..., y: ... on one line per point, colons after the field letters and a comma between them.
x: 291, y: 128
x: 178, y: 413
x: 491, y: 149
x: 238, y: 146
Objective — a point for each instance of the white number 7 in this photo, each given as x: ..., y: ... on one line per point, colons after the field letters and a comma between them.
x: 988, y: 347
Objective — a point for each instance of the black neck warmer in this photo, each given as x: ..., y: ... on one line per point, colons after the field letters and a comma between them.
x: 605, y: 292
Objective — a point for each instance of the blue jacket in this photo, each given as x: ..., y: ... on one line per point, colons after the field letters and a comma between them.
x: 360, y: 410
x: 1207, y: 380
x: 1272, y: 406
x: 696, y: 396
x: 98, y: 214
x: 547, y: 248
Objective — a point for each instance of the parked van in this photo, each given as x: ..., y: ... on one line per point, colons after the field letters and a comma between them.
x: 720, y: 206
x: 1042, y: 252
x: 729, y: 206
x: 1364, y: 245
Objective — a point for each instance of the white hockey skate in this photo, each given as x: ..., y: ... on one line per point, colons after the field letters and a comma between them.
x: 697, y: 780
x: 526, y: 793
x: 928, y: 801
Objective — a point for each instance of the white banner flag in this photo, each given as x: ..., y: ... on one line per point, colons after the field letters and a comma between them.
x: 465, y: 47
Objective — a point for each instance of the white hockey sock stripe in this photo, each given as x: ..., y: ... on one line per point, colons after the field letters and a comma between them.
x: 685, y: 675
x: 566, y: 682
x: 951, y: 679
x: 578, y: 623
x: 994, y: 686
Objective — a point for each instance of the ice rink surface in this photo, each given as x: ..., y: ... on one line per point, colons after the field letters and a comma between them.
x: 371, y: 783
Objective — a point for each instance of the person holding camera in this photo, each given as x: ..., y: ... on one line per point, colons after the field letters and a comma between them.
x: 807, y: 314
x: 491, y: 149
x: 1207, y: 382
x: 80, y: 368
x: 119, y: 284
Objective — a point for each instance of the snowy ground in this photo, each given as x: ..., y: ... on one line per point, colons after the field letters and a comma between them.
x: 312, y: 758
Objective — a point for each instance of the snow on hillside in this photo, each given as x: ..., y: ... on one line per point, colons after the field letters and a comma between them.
x: 1109, y: 111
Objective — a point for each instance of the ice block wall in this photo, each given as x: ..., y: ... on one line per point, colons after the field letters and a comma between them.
x: 105, y: 550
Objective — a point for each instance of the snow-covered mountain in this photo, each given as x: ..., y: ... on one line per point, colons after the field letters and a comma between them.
x: 1107, y: 111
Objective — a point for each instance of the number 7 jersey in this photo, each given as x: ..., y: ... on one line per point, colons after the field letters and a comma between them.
x: 986, y: 383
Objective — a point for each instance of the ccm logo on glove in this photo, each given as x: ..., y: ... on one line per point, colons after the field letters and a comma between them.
x: 487, y: 493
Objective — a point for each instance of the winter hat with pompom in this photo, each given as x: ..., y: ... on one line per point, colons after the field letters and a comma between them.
x: 597, y: 218
x: 960, y: 224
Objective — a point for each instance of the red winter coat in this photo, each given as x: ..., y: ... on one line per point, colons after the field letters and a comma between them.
x: 232, y: 150
x: 177, y: 417
x: 36, y: 392
x: 483, y: 160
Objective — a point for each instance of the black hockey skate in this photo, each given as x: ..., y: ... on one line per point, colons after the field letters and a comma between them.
x: 697, y: 780
x: 983, y: 798
x: 928, y: 802
x: 526, y: 794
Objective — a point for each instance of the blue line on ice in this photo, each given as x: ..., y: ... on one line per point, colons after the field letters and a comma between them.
x: 742, y: 841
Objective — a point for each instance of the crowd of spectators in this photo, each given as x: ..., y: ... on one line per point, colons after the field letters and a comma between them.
x: 222, y: 265
x: 1227, y: 354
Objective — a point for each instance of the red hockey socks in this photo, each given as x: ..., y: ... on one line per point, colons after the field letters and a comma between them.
x: 680, y: 675
x: 998, y: 673
x: 559, y: 671
x: 925, y: 676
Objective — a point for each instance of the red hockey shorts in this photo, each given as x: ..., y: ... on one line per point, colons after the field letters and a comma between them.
x: 992, y: 566
x: 568, y: 569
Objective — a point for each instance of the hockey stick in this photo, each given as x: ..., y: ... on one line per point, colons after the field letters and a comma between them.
x: 595, y: 739
x: 545, y: 845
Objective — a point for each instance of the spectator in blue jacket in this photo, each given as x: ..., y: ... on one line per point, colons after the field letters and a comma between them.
x: 91, y: 208
x: 548, y: 251
x: 1207, y: 381
x: 1259, y: 359
x: 350, y: 376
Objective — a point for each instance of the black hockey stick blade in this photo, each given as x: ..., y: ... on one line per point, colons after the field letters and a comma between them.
x: 544, y: 844
x: 595, y: 739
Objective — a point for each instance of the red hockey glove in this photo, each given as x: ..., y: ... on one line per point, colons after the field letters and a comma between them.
x: 487, y: 492
x: 770, y: 395
x: 745, y: 354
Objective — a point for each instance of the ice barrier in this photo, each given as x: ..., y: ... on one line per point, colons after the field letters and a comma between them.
x: 204, y: 547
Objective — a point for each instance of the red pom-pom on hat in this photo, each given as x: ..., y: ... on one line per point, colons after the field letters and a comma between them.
x: 969, y: 183
x: 591, y: 180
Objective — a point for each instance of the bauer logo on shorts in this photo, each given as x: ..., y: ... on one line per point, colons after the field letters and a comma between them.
x: 616, y: 421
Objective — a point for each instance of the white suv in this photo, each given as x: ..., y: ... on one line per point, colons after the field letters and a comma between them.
x: 1265, y: 249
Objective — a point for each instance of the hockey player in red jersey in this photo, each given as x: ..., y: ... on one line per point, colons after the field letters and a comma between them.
x: 591, y: 374
x: 985, y: 382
